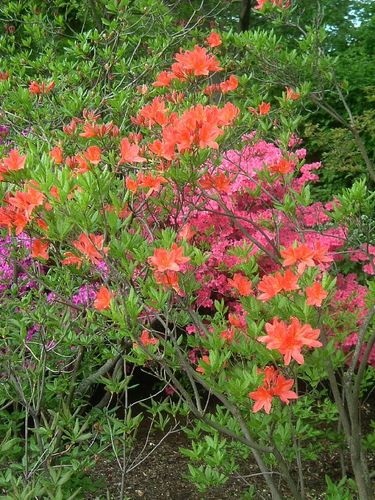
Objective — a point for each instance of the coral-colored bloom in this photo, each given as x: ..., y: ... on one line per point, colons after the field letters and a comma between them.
x: 146, y: 339
x: 54, y: 192
x: 186, y: 233
x: 103, y: 299
x: 131, y: 184
x: 95, y: 130
x: 241, y: 284
x: 72, y: 260
x: 262, y: 398
x: 263, y: 109
x: 288, y: 281
x: 154, y: 184
x: 129, y: 152
x: 163, y: 79
x: 42, y: 224
x: 291, y: 94
x: 36, y: 88
x: 71, y: 127
x: 195, y: 62
x: 274, y: 385
x: 206, y: 360
x: 227, y: 335
x: 208, y: 133
x: 93, y: 154
x: 168, y: 260
x: 229, y: 85
x: 269, y: 286
x: 283, y: 166
x: 214, y: 40
x: 56, y: 154
x: 301, y: 255
x: 152, y: 114
x: 39, y: 249
x: 290, y: 339
x: 91, y: 246
x: 4, y: 75
x: 321, y: 254
x: 26, y: 201
x: 169, y: 279
x: 14, y: 161
x: 219, y: 182
x: 315, y: 294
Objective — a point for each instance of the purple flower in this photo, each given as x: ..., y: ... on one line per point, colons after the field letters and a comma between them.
x: 32, y: 331
x: 85, y: 296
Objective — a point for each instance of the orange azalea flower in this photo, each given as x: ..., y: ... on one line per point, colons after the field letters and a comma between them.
x: 26, y: 201
x: 36, y: 88
x: 206, y: 360
x: 262, y: 398
x: 195, y: 62
x: 4, y: 75
x: 42, y: 224
x: 81, y: 165
x: 168, y: 260
x: 56, y: 154
x: 291, y: 94
x: 72, y: 260
x: 315, y: 294
x: 263, y: 109
x: 163, y: 79
x: 39, y: 250
x: 131, y: 184
x: 14, y: 161
x: 283, y: 166
x: 227, y: 335
x: 219, y: 181
x: 214, y: 40
x: 103, y: 299
x: 270, y: 286
x: 241, y: 284
x: 151, y: 182
x: 186, y: 233
x: 207, y: 134
x: 129, y: 153
x: 90, y: 115
x: 71, y: 127
x: 288, y: 281
x: 320, y: 254
x: 146, y: 339
x: 93, y: 154
x: 54, y: 192
x: 95, y: 130
x: 169, y: 279
x: 228, y: 114
x: 236, y: 321
x: 290, y: 339
x: 152, y: 114
x: 210, y: 89
x: 229, y: 85
x: 90, y: 246
x: 274, y: 385
x: 300, y: 255
x: 162, y: 149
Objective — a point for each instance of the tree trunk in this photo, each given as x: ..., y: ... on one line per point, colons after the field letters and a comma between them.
x: 245, y: 14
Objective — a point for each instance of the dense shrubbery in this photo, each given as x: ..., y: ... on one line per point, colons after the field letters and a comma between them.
x: 159, y: 215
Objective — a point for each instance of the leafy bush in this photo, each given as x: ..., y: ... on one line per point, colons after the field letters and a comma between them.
x: 159, y: 217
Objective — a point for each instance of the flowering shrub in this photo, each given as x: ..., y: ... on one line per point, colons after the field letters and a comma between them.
x: 186, y: 242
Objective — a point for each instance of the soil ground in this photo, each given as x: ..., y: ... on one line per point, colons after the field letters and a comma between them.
x: 162, y: 475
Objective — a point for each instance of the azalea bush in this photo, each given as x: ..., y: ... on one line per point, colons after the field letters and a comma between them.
x: 177, y: 235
